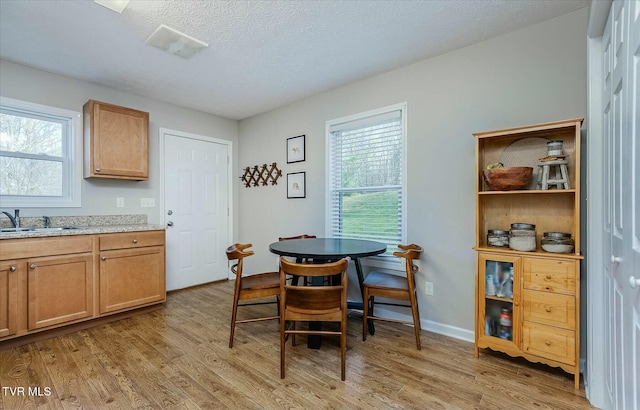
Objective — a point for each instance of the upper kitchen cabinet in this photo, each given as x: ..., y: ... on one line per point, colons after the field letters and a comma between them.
x: 116, y: 142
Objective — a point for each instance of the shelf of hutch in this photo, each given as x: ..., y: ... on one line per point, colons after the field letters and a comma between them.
x: 528, y: 303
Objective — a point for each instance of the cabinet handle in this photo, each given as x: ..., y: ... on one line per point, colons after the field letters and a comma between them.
x: 548, y: 276
x: 97, y: 169
x: 12, y: 269
x: 32, y: 266
x: 548, y: 309
x: 135, y: 241
x: 547, y: 342
x: 633, y: 282
x: 104, y: 258
x: 615, y: 259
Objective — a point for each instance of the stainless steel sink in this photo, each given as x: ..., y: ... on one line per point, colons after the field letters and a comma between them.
x: 30, y: 229
x: 14, y: 230
x: 59, y: 228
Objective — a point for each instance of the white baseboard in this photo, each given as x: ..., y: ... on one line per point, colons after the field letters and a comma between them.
x: 430, y: 326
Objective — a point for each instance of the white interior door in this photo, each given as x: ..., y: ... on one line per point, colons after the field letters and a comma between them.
x: 196, y: 209
x: 621, y: 230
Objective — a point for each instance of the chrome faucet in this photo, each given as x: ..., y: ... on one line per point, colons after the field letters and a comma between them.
x: 47, y: 221
x: 15, y: 220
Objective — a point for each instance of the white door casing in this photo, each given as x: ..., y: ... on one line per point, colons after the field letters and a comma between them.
x: 632, y: 245
x: 196, y: 207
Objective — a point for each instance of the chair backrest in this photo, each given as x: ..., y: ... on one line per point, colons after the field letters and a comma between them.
x: 303, y: 236
x: 409, y: 253
x: 314, y: 300
x: 238, y: 251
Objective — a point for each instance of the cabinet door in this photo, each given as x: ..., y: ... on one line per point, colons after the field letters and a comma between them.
x: 8, y: 298
x: 60, y: 289
x: 499, y: 313
x: 131, y: 278
x: 119, y: 142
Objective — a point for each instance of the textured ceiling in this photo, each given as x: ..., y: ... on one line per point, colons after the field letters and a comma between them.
x: 261, y: 54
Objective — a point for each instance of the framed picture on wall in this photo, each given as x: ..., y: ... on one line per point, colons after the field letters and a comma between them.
x: 295, y: 149
x: 296, y: 185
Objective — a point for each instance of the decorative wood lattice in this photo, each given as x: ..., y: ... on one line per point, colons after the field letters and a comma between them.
x: 264, y: 175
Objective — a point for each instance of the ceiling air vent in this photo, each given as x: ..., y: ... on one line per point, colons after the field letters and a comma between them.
x: 174, y: 42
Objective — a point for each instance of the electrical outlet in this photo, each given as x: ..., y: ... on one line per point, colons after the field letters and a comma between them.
x: 120, y: 202
x: 428, y: 288
x: 147, y: 202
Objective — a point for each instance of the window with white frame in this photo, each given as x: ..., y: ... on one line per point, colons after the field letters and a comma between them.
x: 40, y: 157
x: 366, y: 176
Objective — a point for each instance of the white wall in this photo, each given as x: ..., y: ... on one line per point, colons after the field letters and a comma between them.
x: 99, y: 196
x: 534, y: 75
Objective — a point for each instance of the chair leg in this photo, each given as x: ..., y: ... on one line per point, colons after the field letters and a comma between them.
x: 343, y: 347
x: 293, y: 335
x: 283, y: 327
x: 415, y: 312
x: 234, y: 314
x: 365, y: 312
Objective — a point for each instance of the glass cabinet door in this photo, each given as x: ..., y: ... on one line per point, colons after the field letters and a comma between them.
x: 499, y: 297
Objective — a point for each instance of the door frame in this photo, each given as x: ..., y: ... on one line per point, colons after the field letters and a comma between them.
x: 594, y: 375
x: 163, y: 132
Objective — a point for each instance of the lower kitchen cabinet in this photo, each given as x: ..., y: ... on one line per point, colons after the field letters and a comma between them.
x: 60, y: 289
x: 132, y: 270
x: 47, y: 283
x: 8, y: 298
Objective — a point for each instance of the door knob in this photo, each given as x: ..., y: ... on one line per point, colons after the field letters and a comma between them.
x: 170, y: 223
x: 634, y: 282
x: 616, y: 259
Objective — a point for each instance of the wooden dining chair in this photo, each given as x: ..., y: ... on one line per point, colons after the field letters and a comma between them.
x: 396, y: 287
x: 247, y: 287
x: 313, y: 304
x: 299, y: 260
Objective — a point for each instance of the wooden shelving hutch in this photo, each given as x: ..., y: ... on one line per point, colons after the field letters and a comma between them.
x: 543, y: 299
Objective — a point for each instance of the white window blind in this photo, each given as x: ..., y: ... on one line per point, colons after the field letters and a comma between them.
x: 366, y: 177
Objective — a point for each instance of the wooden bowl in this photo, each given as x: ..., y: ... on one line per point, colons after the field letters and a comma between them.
x: 507, y: 179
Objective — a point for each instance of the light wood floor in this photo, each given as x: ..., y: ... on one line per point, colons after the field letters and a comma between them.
x: 178, y: 357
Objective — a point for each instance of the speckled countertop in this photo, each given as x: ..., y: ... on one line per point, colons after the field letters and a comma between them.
x: 84, y: 225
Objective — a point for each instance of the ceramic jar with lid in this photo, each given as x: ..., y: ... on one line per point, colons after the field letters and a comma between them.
x: 522, y: 237
x: 557, y: 242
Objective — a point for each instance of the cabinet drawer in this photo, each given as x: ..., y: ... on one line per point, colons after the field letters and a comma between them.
x: 34, y: 247
x: 550, y: 309
x: 131, y: 240
x: 551, y: 275
x: 549, y: 342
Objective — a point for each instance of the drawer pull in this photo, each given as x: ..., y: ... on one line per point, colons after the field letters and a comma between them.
x: 135, y: 241
x: 547, y: 342
x: 547, y: 309
x: 548, y: 277
x: 98, y: 170
x: 32, y: 266
x: 104, y: 258
x: 12, y: 269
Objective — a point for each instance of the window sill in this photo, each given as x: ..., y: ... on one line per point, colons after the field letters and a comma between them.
x: 384, y: 262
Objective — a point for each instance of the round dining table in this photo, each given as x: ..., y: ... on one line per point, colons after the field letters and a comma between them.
x: 332, y: 249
